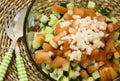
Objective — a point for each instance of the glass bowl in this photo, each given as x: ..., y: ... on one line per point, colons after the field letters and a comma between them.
x: 38, y: 7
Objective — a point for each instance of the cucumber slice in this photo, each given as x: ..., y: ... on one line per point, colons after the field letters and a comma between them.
x: 73, y: 74
x: 64, y: 78
x: 117, y: 43
x: 95, y: 75
x: 91, y: 4
x: 114, y: 20
x: 48, y: 30
x: 116, y: 60
x: 52, y: 22
x: 56, y: 14
x: 70, y: 6
x: 46, y: 68
x: 49, y: 37
x: 116, y: 36
x: 90, y: 79
x: 98, y: 14
x: 44, y: 19
x: 57, y: 74
x: 42, y: 25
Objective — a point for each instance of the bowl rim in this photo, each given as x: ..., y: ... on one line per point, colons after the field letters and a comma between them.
x: 26, y: 45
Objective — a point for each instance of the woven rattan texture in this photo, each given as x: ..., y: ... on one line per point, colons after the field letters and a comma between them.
x: 11, y: 74
x: 33, y: 74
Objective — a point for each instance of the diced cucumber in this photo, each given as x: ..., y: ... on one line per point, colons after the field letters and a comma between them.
x: 91, y: 4
x: 75, y: 66
x: 70, y: 6
x: 49, y: 37
x: 114, y: 20
x: 42, y: 25
x: 117, y: 43
x: 73, y: 74
x: 116, y: 36
x: 89, y: 79
x: 64, y: 78
x: 52, y: 16
x: 46, y: 68
x: 116, y: 60
x: 95, y: 75
x: 44, y: 19
x: 48, y: 30
x: 98, y: 14
x: 52, y: 22
x: 56, y: 14
x: 108, y: 19
x: 57, y: 74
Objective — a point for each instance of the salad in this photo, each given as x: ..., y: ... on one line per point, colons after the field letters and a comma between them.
x: 78, y: 43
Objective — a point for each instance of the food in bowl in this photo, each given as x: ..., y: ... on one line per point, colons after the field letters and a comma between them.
x: 77, y: 43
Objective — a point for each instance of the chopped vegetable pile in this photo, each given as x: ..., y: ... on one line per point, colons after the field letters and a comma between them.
x: 78, y: 44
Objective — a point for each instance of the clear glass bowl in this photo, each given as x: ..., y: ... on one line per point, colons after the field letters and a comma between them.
x: 38, y: 7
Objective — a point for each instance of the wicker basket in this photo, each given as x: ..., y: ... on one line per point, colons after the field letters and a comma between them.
x: 40, y: 6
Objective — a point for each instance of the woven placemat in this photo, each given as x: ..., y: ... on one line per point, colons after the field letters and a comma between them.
x: 11, y: 74
x: 32, y: 72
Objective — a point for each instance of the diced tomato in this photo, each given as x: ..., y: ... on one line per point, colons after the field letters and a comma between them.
x: 57, y: 29
x: 110, y: 46
x: 116, y: 54
x: 84, y: 74
x: 112, y: 27
x: 113, y: 73
x: 67, y: 16
x: 47, y: 47
x: 66, y: 45
x: 90, y: 12
x: 91, y: 68
x: 59, y: 36
x: 108, y: 63
x: 102, y: 75
x: 116, y: 67
x: 102, y: 56
x: 40, y: 37
x: 79, y: 11
x: 42, y: 57
x: 101, y: 18
x: 95, y: 54
x: 59, y: 9
x: 100, y: 64
x: 58, y: 62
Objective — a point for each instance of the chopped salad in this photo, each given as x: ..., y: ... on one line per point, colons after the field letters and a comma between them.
x: 78, y: 44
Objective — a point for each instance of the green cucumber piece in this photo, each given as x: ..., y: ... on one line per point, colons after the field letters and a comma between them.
x: 42, y: 25
x: 56, y: 74
x: 91, y: 4
x: 95, y: 75
x: 116, y: 60
x: 52, y: 22
x: 70, y: 6
x: 98, y: 14
x: 46, y: 69
x: 44, y: 19
x: 89, y: 79
x: 117, y: 43
x: 56, y: 14
x: 116, y: 36
x: 48, y: 30
x: 49, y: 37
x: 73, y: 74
x: 114, y: 20
x: 64, y: 78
